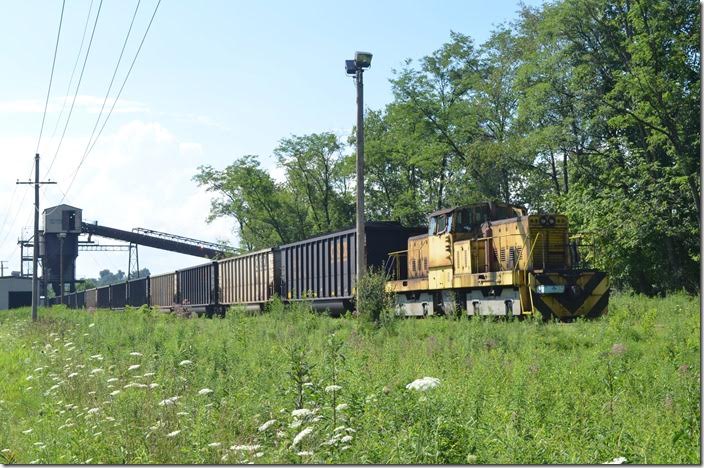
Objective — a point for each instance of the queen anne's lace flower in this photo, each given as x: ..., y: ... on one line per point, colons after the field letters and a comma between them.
x: 424, y: 384
x: 266, y: 425
x: 301, y: 435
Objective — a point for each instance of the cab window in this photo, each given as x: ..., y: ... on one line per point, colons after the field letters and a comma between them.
x: 431, y: 226
x: 442, y: 224
x: 464, y: 221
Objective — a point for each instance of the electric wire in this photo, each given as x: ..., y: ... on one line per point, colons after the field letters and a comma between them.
x: 51, y: 76
x: 112, y: 80
x: 78, y: 86
x: 73, y: 72
x: 124, y: 82
x: 41, y: 131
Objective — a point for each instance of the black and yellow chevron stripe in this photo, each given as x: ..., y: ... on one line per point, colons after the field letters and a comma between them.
x: 586, y: 294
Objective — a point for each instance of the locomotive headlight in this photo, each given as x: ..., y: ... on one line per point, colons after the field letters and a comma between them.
x: 551, y: 221
x: 543, y: 220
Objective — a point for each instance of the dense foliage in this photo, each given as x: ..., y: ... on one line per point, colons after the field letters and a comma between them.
x: 289, y: 386
x: 584, y: 107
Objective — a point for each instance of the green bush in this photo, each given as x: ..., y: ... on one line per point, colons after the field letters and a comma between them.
x: 372, y: 301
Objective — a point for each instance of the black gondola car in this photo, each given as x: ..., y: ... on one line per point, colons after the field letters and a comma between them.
x: 138, y: 292
x: 197, y: 286
x: 118, y: 295
x: 103, y: 294
x: 323, y: 269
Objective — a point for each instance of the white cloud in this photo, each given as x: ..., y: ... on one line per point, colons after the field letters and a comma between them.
x: 190, y: 149
x: 89, y: 104
x: 138, y: 176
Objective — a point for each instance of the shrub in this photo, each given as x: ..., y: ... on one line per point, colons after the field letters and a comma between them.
x: 375, y: 304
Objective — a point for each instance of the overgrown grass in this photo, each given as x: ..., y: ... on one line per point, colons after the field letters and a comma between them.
x: 511, y: 392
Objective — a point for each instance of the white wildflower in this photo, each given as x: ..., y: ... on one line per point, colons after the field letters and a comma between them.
x: 296, y: 423
x: 38, y: 369
x: 113, y: 379
x: 91, y: 325
x: 70, y: 343
x: 339, y: 428
x: 173, y: 434
x: 346, y: 447
x: 28, y: 431
x: 247, y: 448
x: 301, y: 413
x: 349, y: 429
x: 29, y: 377
x: 115, y: 393
x: 134, y: 367
x: 333, y: 388
x: 305, y: 453
x: 259, y: 454
x: 347, y: 438
x: 301, y: 435
x: 185, y: 362
x: 97, y: 371
x: 616, y: 461
x: 99, y: 357
x: 28, y: 389
x: 182, y: 413
x: 34, y: 462
x: 153, y: 385
x: 88, y: 461
x: 93, y: 410
x: 223, y: 458
x: 149, y: 374
x: 204, y: 391
x: 92, y: 392
x: 266, y: 425
x: 135, y: 384
x: 109, y: 418
x: 424, y: 384
x: 135, y: 353
x: 341, y: 407
x: 97, y: 434
x: 308, y: 384
x: 214, y: 444
x: 168, y: 401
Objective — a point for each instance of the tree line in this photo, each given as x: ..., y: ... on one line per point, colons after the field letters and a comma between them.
x: 583, y: 107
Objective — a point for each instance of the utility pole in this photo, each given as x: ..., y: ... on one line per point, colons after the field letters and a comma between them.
x: 35, y: 256
x: 2, y: 267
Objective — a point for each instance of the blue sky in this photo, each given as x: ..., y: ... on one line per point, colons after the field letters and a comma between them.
x: 215, y: 80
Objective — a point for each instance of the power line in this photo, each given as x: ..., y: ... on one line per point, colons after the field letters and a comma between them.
x: 78, y: 86
x: 51, y: 76
x: 73, y: 72
x: 112, y: 80
x: 85, y: 155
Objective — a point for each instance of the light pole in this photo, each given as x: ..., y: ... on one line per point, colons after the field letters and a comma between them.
x: 356, y: 67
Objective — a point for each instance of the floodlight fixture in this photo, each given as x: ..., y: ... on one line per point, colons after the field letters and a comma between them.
x: 363, y: 59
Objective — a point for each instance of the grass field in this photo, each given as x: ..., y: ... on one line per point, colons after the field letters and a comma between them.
x: 289, y: 386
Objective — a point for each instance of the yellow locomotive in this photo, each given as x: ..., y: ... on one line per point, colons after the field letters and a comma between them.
x: 495, y: 259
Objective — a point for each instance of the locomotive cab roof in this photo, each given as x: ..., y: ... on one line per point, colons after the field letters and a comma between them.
x: 469, y: 218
